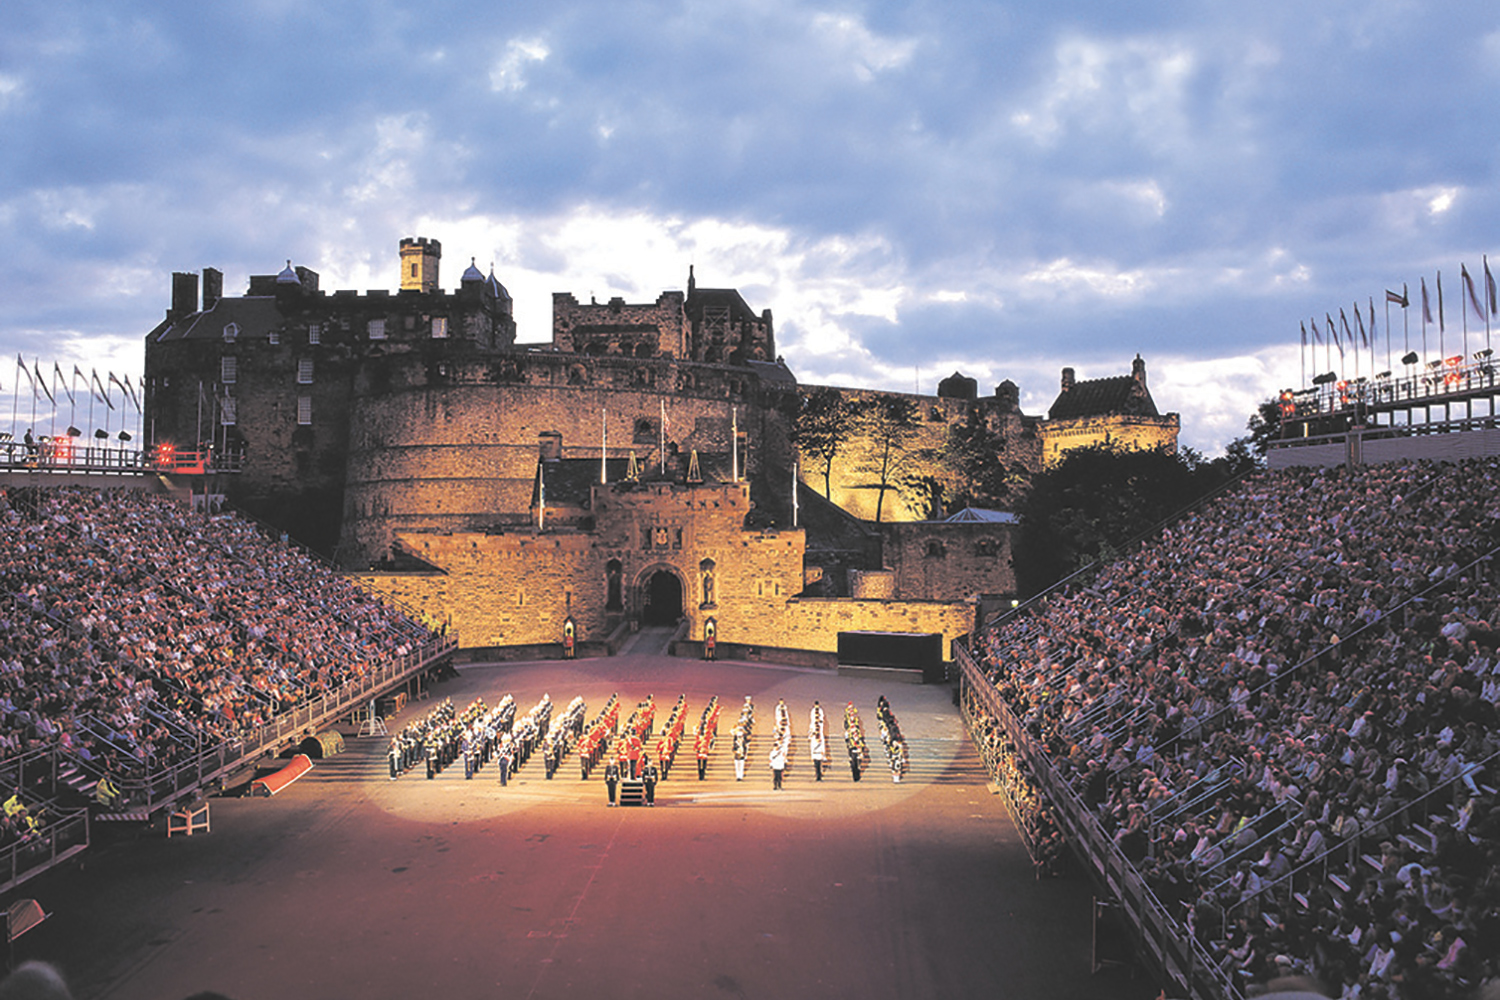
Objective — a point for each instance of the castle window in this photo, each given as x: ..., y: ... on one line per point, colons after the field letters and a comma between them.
x: 314, y: 334
x: 229, y: 369
x: 228, y: 411
x: 439, y: 327
x: 304, y: 371
x: 274, y: 337
x: 304, y: 411
x: 936, y: 550
x: 376, y: 329
x: 231, y: 330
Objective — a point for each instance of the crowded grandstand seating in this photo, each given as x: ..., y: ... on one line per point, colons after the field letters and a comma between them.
x: 134, y: 631
x: 1281, y: 714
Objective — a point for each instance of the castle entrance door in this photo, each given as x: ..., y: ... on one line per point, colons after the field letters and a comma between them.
x: 663, y: 605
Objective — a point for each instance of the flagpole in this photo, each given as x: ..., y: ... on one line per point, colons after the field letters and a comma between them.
x: 734, y: 448
x: 1442, y: 326
x: 662, y: 454
x: 1463, y: 307
x: 794, y: 493
x: 1352, y: 342
x: 603, y: 444
x: 1405, y: 318
x: 1302, y: 356
x: 16, y: 399
x: 33, y: 396
x: 1489, y: 301
x: 1426, y: 316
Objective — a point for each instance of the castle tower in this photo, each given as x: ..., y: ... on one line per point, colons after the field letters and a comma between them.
x: 419, y: 264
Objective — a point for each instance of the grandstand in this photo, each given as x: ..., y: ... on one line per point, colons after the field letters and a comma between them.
x: 148, y: 650
x: 1271, y: 732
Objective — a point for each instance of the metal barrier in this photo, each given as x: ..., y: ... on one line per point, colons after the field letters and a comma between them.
x: 148, y: 794
x: 1161, y: 938
x: 60, y: 839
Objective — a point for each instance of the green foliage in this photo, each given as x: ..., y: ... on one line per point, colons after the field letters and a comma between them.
x: 1089, y: 505
x: 890, y: 423
x: 824, y: 421
x: 973, y: 459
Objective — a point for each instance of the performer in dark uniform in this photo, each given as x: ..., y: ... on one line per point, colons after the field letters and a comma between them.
x: 612, y: 778
x: 649, y: 774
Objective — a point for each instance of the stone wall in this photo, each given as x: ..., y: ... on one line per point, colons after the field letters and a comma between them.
x: 1122, y: 431
x: 854, y: 473
x: 516, y: 588
x: 951, y: 561
x: 454, y: 446
x: 641, y: 330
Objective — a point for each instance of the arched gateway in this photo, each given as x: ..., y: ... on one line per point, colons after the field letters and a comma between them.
x: 661, y: 597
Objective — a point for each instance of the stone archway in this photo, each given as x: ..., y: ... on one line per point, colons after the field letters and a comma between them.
x: 661, y: 597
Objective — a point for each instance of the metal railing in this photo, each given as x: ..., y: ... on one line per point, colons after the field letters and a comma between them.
x: 71, y: 455
x: 1161, y: 938
x: 149, y: 793
x: 61, y: 838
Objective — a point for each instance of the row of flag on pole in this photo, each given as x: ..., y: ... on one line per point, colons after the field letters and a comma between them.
x: 1338, y: 334
x: 97, y: 387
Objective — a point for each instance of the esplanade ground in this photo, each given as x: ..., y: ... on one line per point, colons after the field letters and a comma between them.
x: 348, y: 884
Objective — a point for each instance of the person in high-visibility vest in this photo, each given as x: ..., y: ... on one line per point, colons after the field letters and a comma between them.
x: 105, y: 792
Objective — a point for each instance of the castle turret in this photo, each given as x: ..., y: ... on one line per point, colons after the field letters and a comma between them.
x: 1138, y: 369
x: 419, y: 264
x: 1067, y: 379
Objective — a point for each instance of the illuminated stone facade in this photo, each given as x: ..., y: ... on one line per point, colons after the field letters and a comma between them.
x: 409, y: 435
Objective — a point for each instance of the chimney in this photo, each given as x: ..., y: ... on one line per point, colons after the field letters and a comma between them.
x: 213, y: 287
x: 184, y: 294
x: 1138, y: 370
x: 1008, y: 396
x: 1067, y: 379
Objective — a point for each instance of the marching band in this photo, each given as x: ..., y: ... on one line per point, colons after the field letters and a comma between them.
x: 480, y: 733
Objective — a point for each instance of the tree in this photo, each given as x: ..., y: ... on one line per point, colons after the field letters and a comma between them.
x: 889, y: 424
x: 1094, y: 501
x: 824, y: 421
x: 975, y: 475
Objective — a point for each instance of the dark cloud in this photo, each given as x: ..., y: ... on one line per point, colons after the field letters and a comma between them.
x: 1017, y: 184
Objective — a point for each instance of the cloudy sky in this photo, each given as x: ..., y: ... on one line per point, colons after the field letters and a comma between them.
x: 912, y: 187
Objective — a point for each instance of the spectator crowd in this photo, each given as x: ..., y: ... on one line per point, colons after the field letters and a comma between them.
x: 135, y: 632
x: 1282, y: 713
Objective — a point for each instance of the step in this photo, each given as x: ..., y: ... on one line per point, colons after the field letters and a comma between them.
x: 632, y: 793
x: 141, y: 816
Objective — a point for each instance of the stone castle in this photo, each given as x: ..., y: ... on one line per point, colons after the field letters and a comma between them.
x: 636, y: 468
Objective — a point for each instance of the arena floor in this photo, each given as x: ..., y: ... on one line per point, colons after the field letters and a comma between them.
x: 350, y: 885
